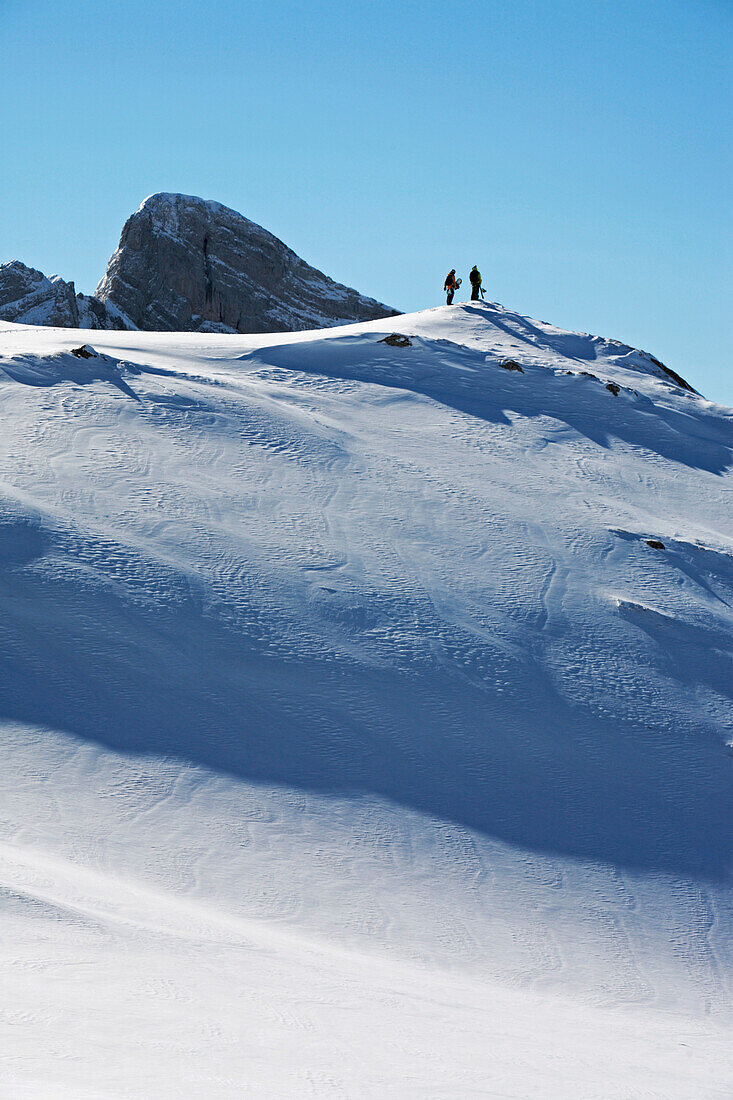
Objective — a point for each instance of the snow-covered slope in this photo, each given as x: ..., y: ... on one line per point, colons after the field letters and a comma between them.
x: 367, y: 715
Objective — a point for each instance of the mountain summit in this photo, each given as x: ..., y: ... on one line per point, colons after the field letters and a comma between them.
x: 185, y: 263
x: 188, y: 264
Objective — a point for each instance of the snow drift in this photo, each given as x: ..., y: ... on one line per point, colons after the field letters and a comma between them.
x: 367, y: 710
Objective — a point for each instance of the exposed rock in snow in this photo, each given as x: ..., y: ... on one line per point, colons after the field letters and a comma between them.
x: 397, y: 340
x: 100, y: 315
x: 29, y: 297
x: 187, y: 264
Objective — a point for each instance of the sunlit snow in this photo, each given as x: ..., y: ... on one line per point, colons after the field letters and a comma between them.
x: 356, y: 741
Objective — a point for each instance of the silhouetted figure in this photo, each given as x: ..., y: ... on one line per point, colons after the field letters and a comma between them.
x: 451, y: 286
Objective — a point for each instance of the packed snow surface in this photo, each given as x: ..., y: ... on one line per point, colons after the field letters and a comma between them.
x: 367, y: 716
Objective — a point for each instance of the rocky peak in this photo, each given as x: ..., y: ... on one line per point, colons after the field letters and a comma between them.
x: 185, y: 263
x: 29, y: 297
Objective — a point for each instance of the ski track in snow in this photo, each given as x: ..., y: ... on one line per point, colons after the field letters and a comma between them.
x: 356, y: 742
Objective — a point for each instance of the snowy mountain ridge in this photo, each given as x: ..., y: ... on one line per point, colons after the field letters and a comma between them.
x: 190, y: 264
x: 367, y: 714
x: 29, y: 297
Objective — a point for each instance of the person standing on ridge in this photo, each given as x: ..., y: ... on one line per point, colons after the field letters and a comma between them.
x: 451, y: 286
x: 475, y: 278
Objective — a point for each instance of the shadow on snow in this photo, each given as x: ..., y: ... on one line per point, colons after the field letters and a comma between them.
x: 472, y: 383
x: 158, y: 664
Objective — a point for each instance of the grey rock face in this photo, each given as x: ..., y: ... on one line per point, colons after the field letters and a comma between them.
x: 187, y: 264
x: 29, y: 297
x: 94, y: 313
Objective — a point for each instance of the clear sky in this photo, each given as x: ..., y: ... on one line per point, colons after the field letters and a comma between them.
x: 578, y: 152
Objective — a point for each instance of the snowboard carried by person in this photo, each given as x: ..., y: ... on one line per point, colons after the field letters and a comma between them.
x: 450, y: 286
x: 475, y: 278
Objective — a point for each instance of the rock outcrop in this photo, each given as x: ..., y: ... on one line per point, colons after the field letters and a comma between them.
x: 188, y: 264
x: 29, y: 297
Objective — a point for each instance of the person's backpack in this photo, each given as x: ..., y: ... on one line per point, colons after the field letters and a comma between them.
x: 475, y: 277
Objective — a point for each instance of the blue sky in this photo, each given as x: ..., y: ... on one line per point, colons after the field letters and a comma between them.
x: 580, y: 153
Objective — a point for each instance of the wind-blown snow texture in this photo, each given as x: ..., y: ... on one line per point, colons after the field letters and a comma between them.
x: 358, y: 742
